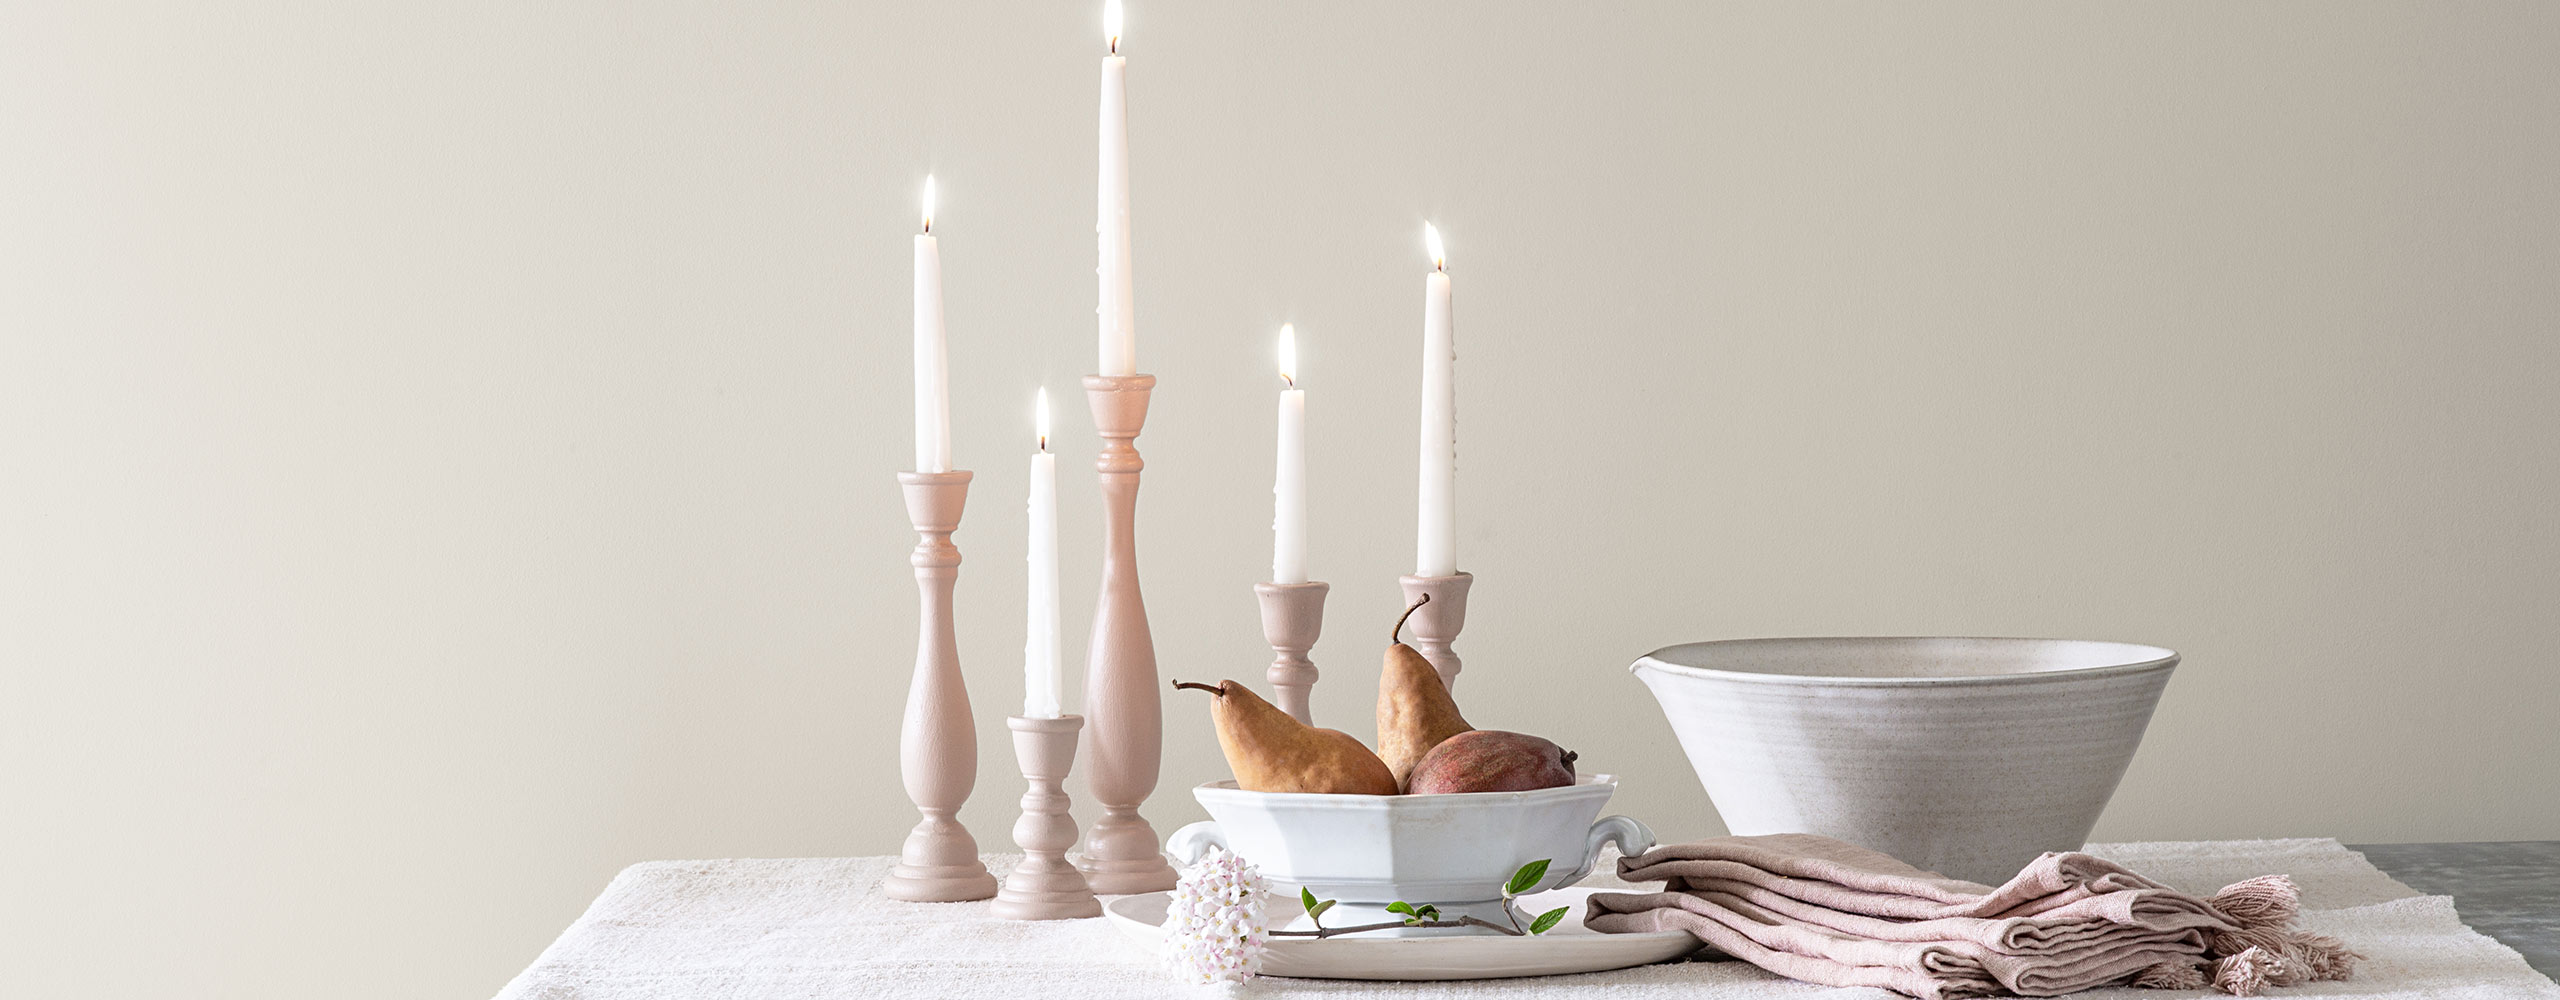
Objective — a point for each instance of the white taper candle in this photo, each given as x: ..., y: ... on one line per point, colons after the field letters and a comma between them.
x: 933, y: 362
x: 1117, y: 311
x: 1289, y: 480
x: 1435, y: 547
x: 1043, y: 672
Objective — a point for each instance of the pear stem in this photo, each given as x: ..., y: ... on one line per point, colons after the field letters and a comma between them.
x: 1197, y: 686
x: 1408, y: 613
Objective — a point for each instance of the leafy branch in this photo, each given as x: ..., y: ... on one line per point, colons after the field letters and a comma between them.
x: 1428, y: 915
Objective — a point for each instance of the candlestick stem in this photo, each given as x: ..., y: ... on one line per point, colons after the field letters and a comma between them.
x: 1120, y: 687
x: 1044, y: 886
x: 1435, y: 625
x: 938, y: 742
x: 1292, y: 618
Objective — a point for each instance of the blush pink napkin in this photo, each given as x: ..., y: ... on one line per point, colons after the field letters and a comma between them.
x: 1829, y: 912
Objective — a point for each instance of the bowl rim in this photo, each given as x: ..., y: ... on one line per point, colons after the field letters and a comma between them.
x: 2150, y: 658
x: 1225, y: 790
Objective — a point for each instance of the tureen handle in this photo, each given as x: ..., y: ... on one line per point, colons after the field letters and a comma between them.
x: 1189, y: 843
x: 1633, y: 838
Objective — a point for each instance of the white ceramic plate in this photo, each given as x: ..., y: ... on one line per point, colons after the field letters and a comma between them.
x: 1568, y: 948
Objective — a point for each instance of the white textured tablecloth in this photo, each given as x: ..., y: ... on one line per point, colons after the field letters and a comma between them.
x: 819, y: 928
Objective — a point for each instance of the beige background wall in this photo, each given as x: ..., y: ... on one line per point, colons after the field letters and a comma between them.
x: 448, y: 447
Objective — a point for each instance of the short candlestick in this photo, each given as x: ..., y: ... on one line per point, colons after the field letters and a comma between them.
x: 938, y: 742
x: 1044, y: 886
x: 1436, y: 624
x: 1121, y: 853
x: 1292, y: 618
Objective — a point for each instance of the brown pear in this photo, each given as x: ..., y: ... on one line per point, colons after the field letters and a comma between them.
x: 1271, y: 752
x: 1415, y: 710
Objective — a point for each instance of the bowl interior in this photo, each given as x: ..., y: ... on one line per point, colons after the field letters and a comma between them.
x: 1909, y: 660
x: 1226, y: 791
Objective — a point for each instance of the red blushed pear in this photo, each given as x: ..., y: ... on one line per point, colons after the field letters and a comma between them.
x: 1271, y: 752
x: 1490, y: 760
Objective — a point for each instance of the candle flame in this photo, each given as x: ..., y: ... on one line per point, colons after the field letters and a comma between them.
x: 928, y: 203
x: 1431, y: 242
x: 1289, y: 354
x: 1040, y: 420
x: 1111, y: 24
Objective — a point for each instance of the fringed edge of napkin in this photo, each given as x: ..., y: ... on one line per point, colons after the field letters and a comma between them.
x: 2265, y: 950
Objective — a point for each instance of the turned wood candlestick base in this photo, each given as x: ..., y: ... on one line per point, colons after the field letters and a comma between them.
x: 1435, y: 625
x: 1044, y: 886
x: 1126, y: 742
x: 1292, y: 618
x: 938, y: 742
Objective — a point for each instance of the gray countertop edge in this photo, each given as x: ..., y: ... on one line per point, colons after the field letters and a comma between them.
x: 2509, y: 890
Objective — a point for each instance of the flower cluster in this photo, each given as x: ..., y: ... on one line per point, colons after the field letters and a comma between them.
x: 1213, y: 925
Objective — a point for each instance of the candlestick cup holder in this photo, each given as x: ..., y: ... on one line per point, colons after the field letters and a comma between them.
x: 1292, y: 618
x: 1044, y: 886
x: 938, y: 741
x: 1436, y: 624
x: 1126, y: 740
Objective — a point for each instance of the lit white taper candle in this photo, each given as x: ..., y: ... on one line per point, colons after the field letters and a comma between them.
x: 1289, y: 481
x: 933, y: 362
x: 1435, y: 546
x: 1043, y: 675
x: 1117, y: 312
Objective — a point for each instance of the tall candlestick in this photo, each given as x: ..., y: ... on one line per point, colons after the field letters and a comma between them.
x: 1289, y: 481
x: 1117, y: 313
x: 1043, y: 674
x: 938, y: 741
x: 933, y: 363
x: 1435, y: 546
x: 1126, y: 738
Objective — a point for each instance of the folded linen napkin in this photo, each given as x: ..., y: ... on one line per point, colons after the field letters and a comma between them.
x: 1824, y: 911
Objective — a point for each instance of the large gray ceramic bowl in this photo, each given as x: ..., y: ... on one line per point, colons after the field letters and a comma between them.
x: 1967, y: 757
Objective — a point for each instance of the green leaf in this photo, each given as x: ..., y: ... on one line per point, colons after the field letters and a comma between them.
x: 1320, y: 908
x: 1400, y: 906
x: 1527, y: 877
x: 1427, y: 912
x: 1307, y: 898
x: 1547, y: 920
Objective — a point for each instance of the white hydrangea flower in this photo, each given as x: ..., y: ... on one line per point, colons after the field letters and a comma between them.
x: 1213, y: 925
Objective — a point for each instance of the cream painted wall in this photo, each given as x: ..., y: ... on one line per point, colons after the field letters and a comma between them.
x: 448, y: 447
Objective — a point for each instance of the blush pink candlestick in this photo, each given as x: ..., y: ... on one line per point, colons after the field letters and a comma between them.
x: 1292, y: 619
x: 1126, y: 715
x: 938, y: 743
x: 1436, y: 623
x: 1044, y: 886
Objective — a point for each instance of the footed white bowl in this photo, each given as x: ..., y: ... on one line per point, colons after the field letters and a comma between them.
x: 1452, y: 850
x: 1968, y: 757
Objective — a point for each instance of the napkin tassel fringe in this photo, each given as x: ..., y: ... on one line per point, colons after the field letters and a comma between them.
x: 2265, y: 950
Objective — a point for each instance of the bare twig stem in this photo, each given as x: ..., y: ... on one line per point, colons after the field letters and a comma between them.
x: 1326, y: 932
